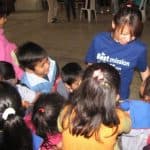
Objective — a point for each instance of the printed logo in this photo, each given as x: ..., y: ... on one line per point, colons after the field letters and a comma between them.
x: 115, y: 62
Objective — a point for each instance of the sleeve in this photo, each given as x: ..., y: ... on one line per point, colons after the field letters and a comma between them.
x: 91, y: 55
x: 125, y: 105
x: 26, y: 93
x: 59, y: 120
x: 37, y: 141
x: 142, y: 59
x: 59, y: 125
x: 125, y: 122
x: 2, y: 50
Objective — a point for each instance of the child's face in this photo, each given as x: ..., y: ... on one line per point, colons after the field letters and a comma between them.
x: 42, y: 68
x: 74, y: 85
x: 2, y: 21
x: 123, y: 35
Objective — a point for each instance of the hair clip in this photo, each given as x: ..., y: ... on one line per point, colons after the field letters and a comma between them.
x: 98, y: 74
x: 42, y: 110
x: 8, y: 111
x: 129, y: 5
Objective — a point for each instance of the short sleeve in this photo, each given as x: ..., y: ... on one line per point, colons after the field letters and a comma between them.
x: 26, y: 93
x: 125, y: 105
x: 125, y: 122
x: 90, y: 55
x: 142, y: 59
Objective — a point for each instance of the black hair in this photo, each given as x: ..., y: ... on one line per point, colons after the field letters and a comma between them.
x: 129, y: 15
x: 6, y: 70
x: 6, y: 7
x: 29, y: 54
x: 112, y: 72
x: 45, y: 112
x: 146, y: 84
x: 94, y: 102
x: 70, y: 72
x: 14, y: 132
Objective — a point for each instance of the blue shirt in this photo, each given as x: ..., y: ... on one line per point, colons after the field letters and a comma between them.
x: 139, y: 112
x: 125, y: 58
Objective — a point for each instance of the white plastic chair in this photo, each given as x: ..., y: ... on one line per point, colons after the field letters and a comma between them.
x: 89, y: 7
x: 142, y: 8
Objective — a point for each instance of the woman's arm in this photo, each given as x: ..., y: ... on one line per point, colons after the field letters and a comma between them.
x: 145, y: 74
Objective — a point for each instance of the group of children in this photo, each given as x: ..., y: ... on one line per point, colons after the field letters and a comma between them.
x: 47, y: 109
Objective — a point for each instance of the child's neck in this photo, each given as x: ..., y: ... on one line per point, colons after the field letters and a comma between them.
x: 31, y: 71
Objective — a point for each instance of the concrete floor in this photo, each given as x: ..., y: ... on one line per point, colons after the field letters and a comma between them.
x: 64, y: 41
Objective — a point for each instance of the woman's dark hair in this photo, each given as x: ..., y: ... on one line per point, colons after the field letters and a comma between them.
x: 29, y: 54
x: 15, y: 134
x: 129, y: 15
x: 94, y: 103
x: 6, y: 71
x: 45, y: 112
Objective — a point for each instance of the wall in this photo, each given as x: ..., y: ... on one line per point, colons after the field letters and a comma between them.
x: 28, y: 5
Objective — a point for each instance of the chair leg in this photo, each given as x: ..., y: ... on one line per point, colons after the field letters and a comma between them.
x: 95, y: 16
x: 89, y: 15
x: 81, y: 12
x: 143, y: 15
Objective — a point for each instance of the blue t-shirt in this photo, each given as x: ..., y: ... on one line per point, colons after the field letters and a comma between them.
x: 125, y: 58
x: 139, y: 113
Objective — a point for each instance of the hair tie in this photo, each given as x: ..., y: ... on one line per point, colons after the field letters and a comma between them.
x: 98, y: 74
x: 42, y: 110
x: 8, y: 111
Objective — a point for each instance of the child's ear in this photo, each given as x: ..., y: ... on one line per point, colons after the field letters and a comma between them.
x: 113, y: 25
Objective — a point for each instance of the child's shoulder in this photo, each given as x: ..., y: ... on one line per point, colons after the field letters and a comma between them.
x: 139, y: 43
x: 103, y: 37
x: 102, y: 34
x: 135, y: 102
x: 121, y: 113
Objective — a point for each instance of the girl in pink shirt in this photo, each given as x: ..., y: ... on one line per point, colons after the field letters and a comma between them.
x: 7, y: 49
x: 44, y: 118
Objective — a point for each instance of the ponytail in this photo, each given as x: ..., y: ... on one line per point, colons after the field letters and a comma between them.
x: 16, y: 135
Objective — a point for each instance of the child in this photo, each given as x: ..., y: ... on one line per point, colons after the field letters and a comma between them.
x: 140, y: 117
x: 7, y: 49
x: 71, y: 74
x: 7, y: 74
x: 44, y: 117
x: 14, y: 133
x: 91, y: 120
x: 122, y: 48
x: 41, y: 71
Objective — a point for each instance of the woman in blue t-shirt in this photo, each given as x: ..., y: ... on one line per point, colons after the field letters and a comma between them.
x: 122, y: 47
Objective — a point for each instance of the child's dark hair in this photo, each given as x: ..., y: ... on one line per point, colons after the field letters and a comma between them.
x: 113, y: 74
x: 70, y: 72
x: 29, y: 54
x: 45, y: 112
x: 129, y: 15
x: 146, y: 91
x: 94, y: 102
x: 15, y: 134
x: 6, y: 71
x: 4, y: 11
